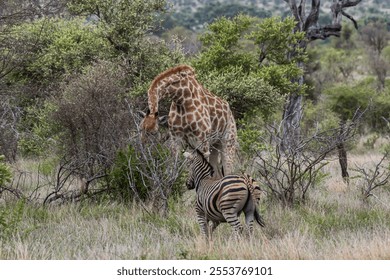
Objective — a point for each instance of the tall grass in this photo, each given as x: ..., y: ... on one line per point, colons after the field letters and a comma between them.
x: 333, y: 224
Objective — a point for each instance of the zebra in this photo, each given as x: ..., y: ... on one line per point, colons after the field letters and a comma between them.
x: 222, y: 200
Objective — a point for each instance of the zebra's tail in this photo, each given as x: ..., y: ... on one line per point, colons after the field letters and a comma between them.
x: 255, y: 193
x: 253, y: 187
x: 258, y: 218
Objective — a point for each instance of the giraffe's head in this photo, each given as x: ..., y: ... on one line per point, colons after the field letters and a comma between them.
x: 150, y: 124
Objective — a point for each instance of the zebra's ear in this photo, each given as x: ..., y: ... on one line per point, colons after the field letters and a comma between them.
x: 188, y: 155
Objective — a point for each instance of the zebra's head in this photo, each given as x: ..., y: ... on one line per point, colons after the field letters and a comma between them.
x: 199, y: 168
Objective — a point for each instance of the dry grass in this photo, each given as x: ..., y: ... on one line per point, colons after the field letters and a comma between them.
x: 333, y: 224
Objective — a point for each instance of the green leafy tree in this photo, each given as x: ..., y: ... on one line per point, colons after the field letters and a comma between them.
x: 40, y: 133
x: 61, y: 47
x: 344, y: 100
x: 127, y: 26
x: 245, y: 60
x: 125, y: 21
x: 56, y: 48
x: 224, y: 45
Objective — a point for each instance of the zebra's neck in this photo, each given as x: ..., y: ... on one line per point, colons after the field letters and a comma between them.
x: 202, y: 171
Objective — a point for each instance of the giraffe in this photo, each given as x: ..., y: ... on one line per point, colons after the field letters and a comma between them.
x: 197, y: 118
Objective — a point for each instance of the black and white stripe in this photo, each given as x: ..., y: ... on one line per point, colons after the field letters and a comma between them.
x: 222, y: 200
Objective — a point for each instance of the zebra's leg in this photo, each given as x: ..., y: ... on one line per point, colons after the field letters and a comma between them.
x: 232, y: 218
x: 203, y: 223
x: 249, y: 222
x: 212, y: 228
x: 249, y: 215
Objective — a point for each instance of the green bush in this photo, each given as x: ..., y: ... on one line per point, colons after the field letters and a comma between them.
x: 319, y: 117
x: 10, y: 219
x: 344, y: 100
x: 5, y: 172
x: 40, y: 132
x: 146, y: 174
x: 249, y: 135
x: 58, y: 47
x: 125, y: 179
x: 380, y: 112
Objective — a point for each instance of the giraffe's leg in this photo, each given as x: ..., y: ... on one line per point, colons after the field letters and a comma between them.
x: 228, y: 153
x: 214, y: 161
x: 205, y: 150
x: 202, y: 144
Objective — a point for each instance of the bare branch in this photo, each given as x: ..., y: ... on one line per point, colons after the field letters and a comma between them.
x: 14, y: 191
x: 350, y: 18
x: 312, y: 18
x: 294, y: 10
x: 374, y: 178
x: 302, y: 8
x: 288, y: 176
x: 338, y: 7
x: 309, y: 24
x: 350, y: 3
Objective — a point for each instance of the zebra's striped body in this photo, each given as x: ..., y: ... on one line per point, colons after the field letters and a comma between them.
x: 224, y: 199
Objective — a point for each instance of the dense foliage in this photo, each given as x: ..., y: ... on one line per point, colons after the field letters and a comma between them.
x: 246, y: 60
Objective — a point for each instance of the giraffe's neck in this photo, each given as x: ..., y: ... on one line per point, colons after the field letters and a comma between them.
x: 172, y: 92
x: 153, y: 100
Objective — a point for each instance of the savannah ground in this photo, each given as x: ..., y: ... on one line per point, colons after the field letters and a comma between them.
x: 334, y: 224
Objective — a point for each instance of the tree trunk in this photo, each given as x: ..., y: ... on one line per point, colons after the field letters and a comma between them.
x: 343, y: 160
x: 292, y: 114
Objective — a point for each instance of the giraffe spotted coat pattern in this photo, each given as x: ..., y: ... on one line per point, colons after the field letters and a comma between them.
x: 197, y: 118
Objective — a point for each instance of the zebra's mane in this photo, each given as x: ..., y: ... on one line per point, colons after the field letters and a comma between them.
x: 206, y: 162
